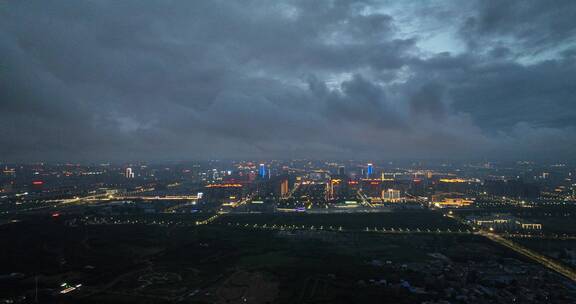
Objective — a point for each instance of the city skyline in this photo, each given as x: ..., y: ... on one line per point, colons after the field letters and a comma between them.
x: 288, y: 151
x: 109, y: 81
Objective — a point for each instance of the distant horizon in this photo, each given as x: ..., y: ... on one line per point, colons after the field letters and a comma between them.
x: 550, y: 162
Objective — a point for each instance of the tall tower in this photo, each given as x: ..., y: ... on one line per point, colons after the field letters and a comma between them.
x: 329, y: 190
x: 369, y: 170
x: 129, y: 173
x: 262, y: 171
x: 341, y: 171
x: 284, y: 188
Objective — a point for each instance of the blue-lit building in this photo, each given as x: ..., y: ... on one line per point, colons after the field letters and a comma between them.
x: 369, y: 170
x: 262, y: 171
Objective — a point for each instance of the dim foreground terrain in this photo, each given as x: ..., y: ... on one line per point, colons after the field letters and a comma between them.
x: 402, y: 257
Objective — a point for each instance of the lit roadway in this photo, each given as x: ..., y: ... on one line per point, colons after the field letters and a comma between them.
x: 364, y: 198
x: 156, y: 198
x: 105, y: 197
x: 99, y: 197
x: 418, y: 199
x: 291, y: 193
x: 242, y: 202
x: 551, y: 264
x: 537, y: 257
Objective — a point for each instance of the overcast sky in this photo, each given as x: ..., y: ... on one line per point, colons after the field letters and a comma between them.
x: 155, y: 80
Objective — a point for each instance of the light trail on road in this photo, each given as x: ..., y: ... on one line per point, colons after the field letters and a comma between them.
x: 547, y: 262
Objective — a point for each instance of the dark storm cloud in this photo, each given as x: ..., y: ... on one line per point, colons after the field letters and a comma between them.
x: 262, y: 79
x: 533, y: 25
x: 357, y: 101
x: 541, y: 94
x: 428, y: 100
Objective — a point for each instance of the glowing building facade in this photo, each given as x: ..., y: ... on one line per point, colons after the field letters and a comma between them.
x: 262, y: 171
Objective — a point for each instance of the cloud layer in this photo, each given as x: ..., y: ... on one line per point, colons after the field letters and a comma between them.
x: 127, y: 80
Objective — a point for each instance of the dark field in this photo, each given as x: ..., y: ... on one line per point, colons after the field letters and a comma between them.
x: 137, y: 263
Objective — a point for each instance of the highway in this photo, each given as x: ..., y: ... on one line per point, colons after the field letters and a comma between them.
x: 547, y: 262
x: 364, y: 199
x: 294, y: 189
x: 156, y: 198
x: 105, y: 197
x: 537, y: 257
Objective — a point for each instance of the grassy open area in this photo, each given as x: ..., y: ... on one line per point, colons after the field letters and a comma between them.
x: 137, y: 263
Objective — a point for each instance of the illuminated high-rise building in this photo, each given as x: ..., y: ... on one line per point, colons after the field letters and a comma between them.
x: 369, y: 170
x: 262, y: 171
x: 329, y: 194
x: 391, y: 195
x: 129, y: 173
x: 284, y: 188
